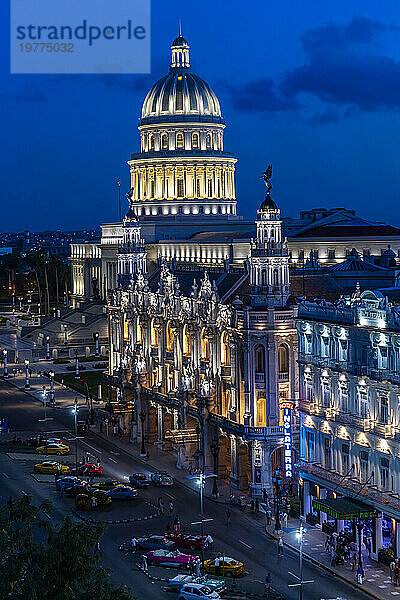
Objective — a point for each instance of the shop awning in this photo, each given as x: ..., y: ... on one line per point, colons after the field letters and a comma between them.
x: 344, y: 508
x: 181, y: 436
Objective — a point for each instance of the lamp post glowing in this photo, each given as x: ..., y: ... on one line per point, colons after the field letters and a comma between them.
x: 5, y: 371
x: 96, y: 338
x: 301, y: 581
x: 51, y: 375
x: 77, y: 376
x: 27, y: 384
x: 75, y: 412
x: 277, y: 480
x: 65, y: 326
x: 47, y: 347
x: 201, y: 479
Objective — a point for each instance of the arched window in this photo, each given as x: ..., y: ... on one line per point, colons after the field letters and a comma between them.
x: 209, y: 140
x: 186, y: 343
x: 154, y: 335
x: 164, y: 141
x: 260, y: 359
x: 276, y: 277
x: 225, y: 350
x: 205, y: 346
x: 261, y: 412
x: 195, y: 140
x: 139, y: 333
x: 169, y: 338
x: 264, y: 280
x: 126, y: 328
x: 283, y: 359
x: 179, y: 140
x: 151, y: 141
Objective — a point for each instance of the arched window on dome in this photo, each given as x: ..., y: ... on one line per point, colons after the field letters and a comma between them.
x: 195, y: 140
x: 180, y: 143
x: 151, y: 141
x: 164, y: 141
x: 209, y: 140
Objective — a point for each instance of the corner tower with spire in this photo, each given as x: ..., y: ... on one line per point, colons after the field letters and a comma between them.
x: 269, y: 260
x: 132, y: 253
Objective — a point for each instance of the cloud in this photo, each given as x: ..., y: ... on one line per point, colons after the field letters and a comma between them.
x: 343, y: 68
x: 260, y: 95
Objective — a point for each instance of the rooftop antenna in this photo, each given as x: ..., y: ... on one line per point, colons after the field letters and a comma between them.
x: 180, y: 28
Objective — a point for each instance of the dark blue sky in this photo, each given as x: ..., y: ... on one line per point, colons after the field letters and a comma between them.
x: 313, y: 87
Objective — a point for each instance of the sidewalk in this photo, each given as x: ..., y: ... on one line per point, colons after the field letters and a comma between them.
x: 377, y: 578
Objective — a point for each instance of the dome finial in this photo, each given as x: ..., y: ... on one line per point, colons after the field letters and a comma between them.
x: 180, y: 51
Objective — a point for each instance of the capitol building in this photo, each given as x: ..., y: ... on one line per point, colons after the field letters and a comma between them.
x: 202, y: 336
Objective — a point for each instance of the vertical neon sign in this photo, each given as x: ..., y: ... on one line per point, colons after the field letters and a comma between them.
x: 287, y: 431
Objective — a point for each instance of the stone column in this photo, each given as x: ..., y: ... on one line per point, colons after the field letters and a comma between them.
x: 322, y: 515
x: 306, y: 500
x: 160, y: 420
x: 377, y: 539
x: 234, y: 477
x: 397, y: 539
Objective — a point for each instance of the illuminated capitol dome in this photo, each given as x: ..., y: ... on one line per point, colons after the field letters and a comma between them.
x: 182, y: 169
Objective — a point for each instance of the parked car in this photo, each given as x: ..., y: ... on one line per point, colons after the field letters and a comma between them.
x: 139, y: 480
x: 227, y: 566
x: 64, y: 482
x: 176, y: 583
x: 162, y: 479
x: 88, y: 469
x: 167, y: 558
x: 155, y: 542
x: 186, y: 540
x: 53, y: 448
x: 39, y: 440
x: 80, y: 487
x: 50, y: 467
x: 107, y: 484
x: 85, y: 501
x: 199, y: 591
x: 122, y: 492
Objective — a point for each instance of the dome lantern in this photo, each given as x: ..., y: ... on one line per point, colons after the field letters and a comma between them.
x: 180, y: 52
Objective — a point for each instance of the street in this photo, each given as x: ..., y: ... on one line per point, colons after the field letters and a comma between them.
x: 244, y: 539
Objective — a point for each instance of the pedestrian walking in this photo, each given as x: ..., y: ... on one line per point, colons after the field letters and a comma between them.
x: 360, y: 575
x: 209, y: 541
x: 161, y: 505
x: 197, y: 567
x: 396, y: 575
x: 269, y: 516
x: 257, y: 505
x: 133, y: 544
x: 171, y: 507
x: 284, y: 519
x: 268, y: 583
x: 191, y: 567
x: 368, y: 545
x: 177, y: 524
x: 265, y: 495
x: 98, y: 547
x: 228, y: 517
x: 98, y: 461
x: 392, y: 567
x: 280, y: 547
x: 145, y: 567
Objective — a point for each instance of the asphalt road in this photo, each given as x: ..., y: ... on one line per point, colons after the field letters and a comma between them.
x: 244, y: 539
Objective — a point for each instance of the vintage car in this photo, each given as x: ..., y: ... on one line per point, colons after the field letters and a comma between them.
x: 67, y: 481
x: 39, y: 440
x: 155, y: 542
x: 88, y: 469
x: 226, y: 566
x: 176, y: 583
x: 52, y: 448
x: 170, y: 558
x: 198, y: 591
x: 139, y: 480
x: 50, y: 467
x: 187, y: 540
x: 162, y: 479
x: 96, y: 499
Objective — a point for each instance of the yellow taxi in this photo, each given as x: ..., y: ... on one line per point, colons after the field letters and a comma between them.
x: 53, y: 448
x: 224, y: 565
x: 51, y: 467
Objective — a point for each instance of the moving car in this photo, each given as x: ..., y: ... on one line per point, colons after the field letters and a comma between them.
x: 67, y: 481
x: 50, y: 467
x: 52, y: 448
x: 227, y: 566
x: 139, y: 480
x: 122, y: 492
x: 162, y: 479
x: 197, y: 590
x: 88, y: 469
x: 106, y: 485
x: 186, y: 540
x: 155, y: 542
x: 40, y: 441
x: 176, y: 583
x: 167, y: 558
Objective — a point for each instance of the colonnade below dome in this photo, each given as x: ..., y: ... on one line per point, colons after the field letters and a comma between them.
x: 193, y: 182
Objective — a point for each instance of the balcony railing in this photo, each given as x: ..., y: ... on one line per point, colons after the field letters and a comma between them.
x: 283, y: 377
x: 260, y: 377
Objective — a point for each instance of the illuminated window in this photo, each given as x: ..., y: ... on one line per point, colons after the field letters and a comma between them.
x: 198, y: 188
x: 310, y: 445
x: 179, y: 140
x: 152, y: 188
x: 384, y: 473
x: 169, y: 337
x: 209, y: 188
x: 225, y: 350
x: 384, y: 410
x: 261, y: 412
x: 126, y: 328
x: 179, y: 188
x: 205, y: 346
x: 151, y: 141
x: 164, y: 141
x: 187, y: 346
x: 209, y: 140
x: 195, y: 140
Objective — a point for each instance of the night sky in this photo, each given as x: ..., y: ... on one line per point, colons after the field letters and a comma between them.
x: 313, y: 87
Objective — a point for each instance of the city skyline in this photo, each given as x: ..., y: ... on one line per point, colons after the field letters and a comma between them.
x: 290, y: 100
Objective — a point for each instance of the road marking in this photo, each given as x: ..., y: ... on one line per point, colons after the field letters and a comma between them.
x: 169, y: 496
x: 113, y: 459
x: 46, y: 515
x: 116, y: 453
x: 5, y: 475
x: 95, y: 449
x: 24, y: 492
x: 244, y: 544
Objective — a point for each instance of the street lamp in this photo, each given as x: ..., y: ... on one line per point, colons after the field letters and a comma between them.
x: 5, y: 371
x: 39, y: 309
x: 65, y: 326
x: 47, y: 347
x: 51, y: 375
x: 201, y: 479
x: 214, y: 447
x: 75, y: 412
x: 77, y: 376
x: 89, y: 398
x: 277, y: 480
x: 299, y: 536
x: 360, y: 526
x: 142, y: 417
x: 27, y: 385
x: 96, y: 338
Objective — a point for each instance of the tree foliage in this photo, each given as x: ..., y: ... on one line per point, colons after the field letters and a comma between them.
x: 40, y: 561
